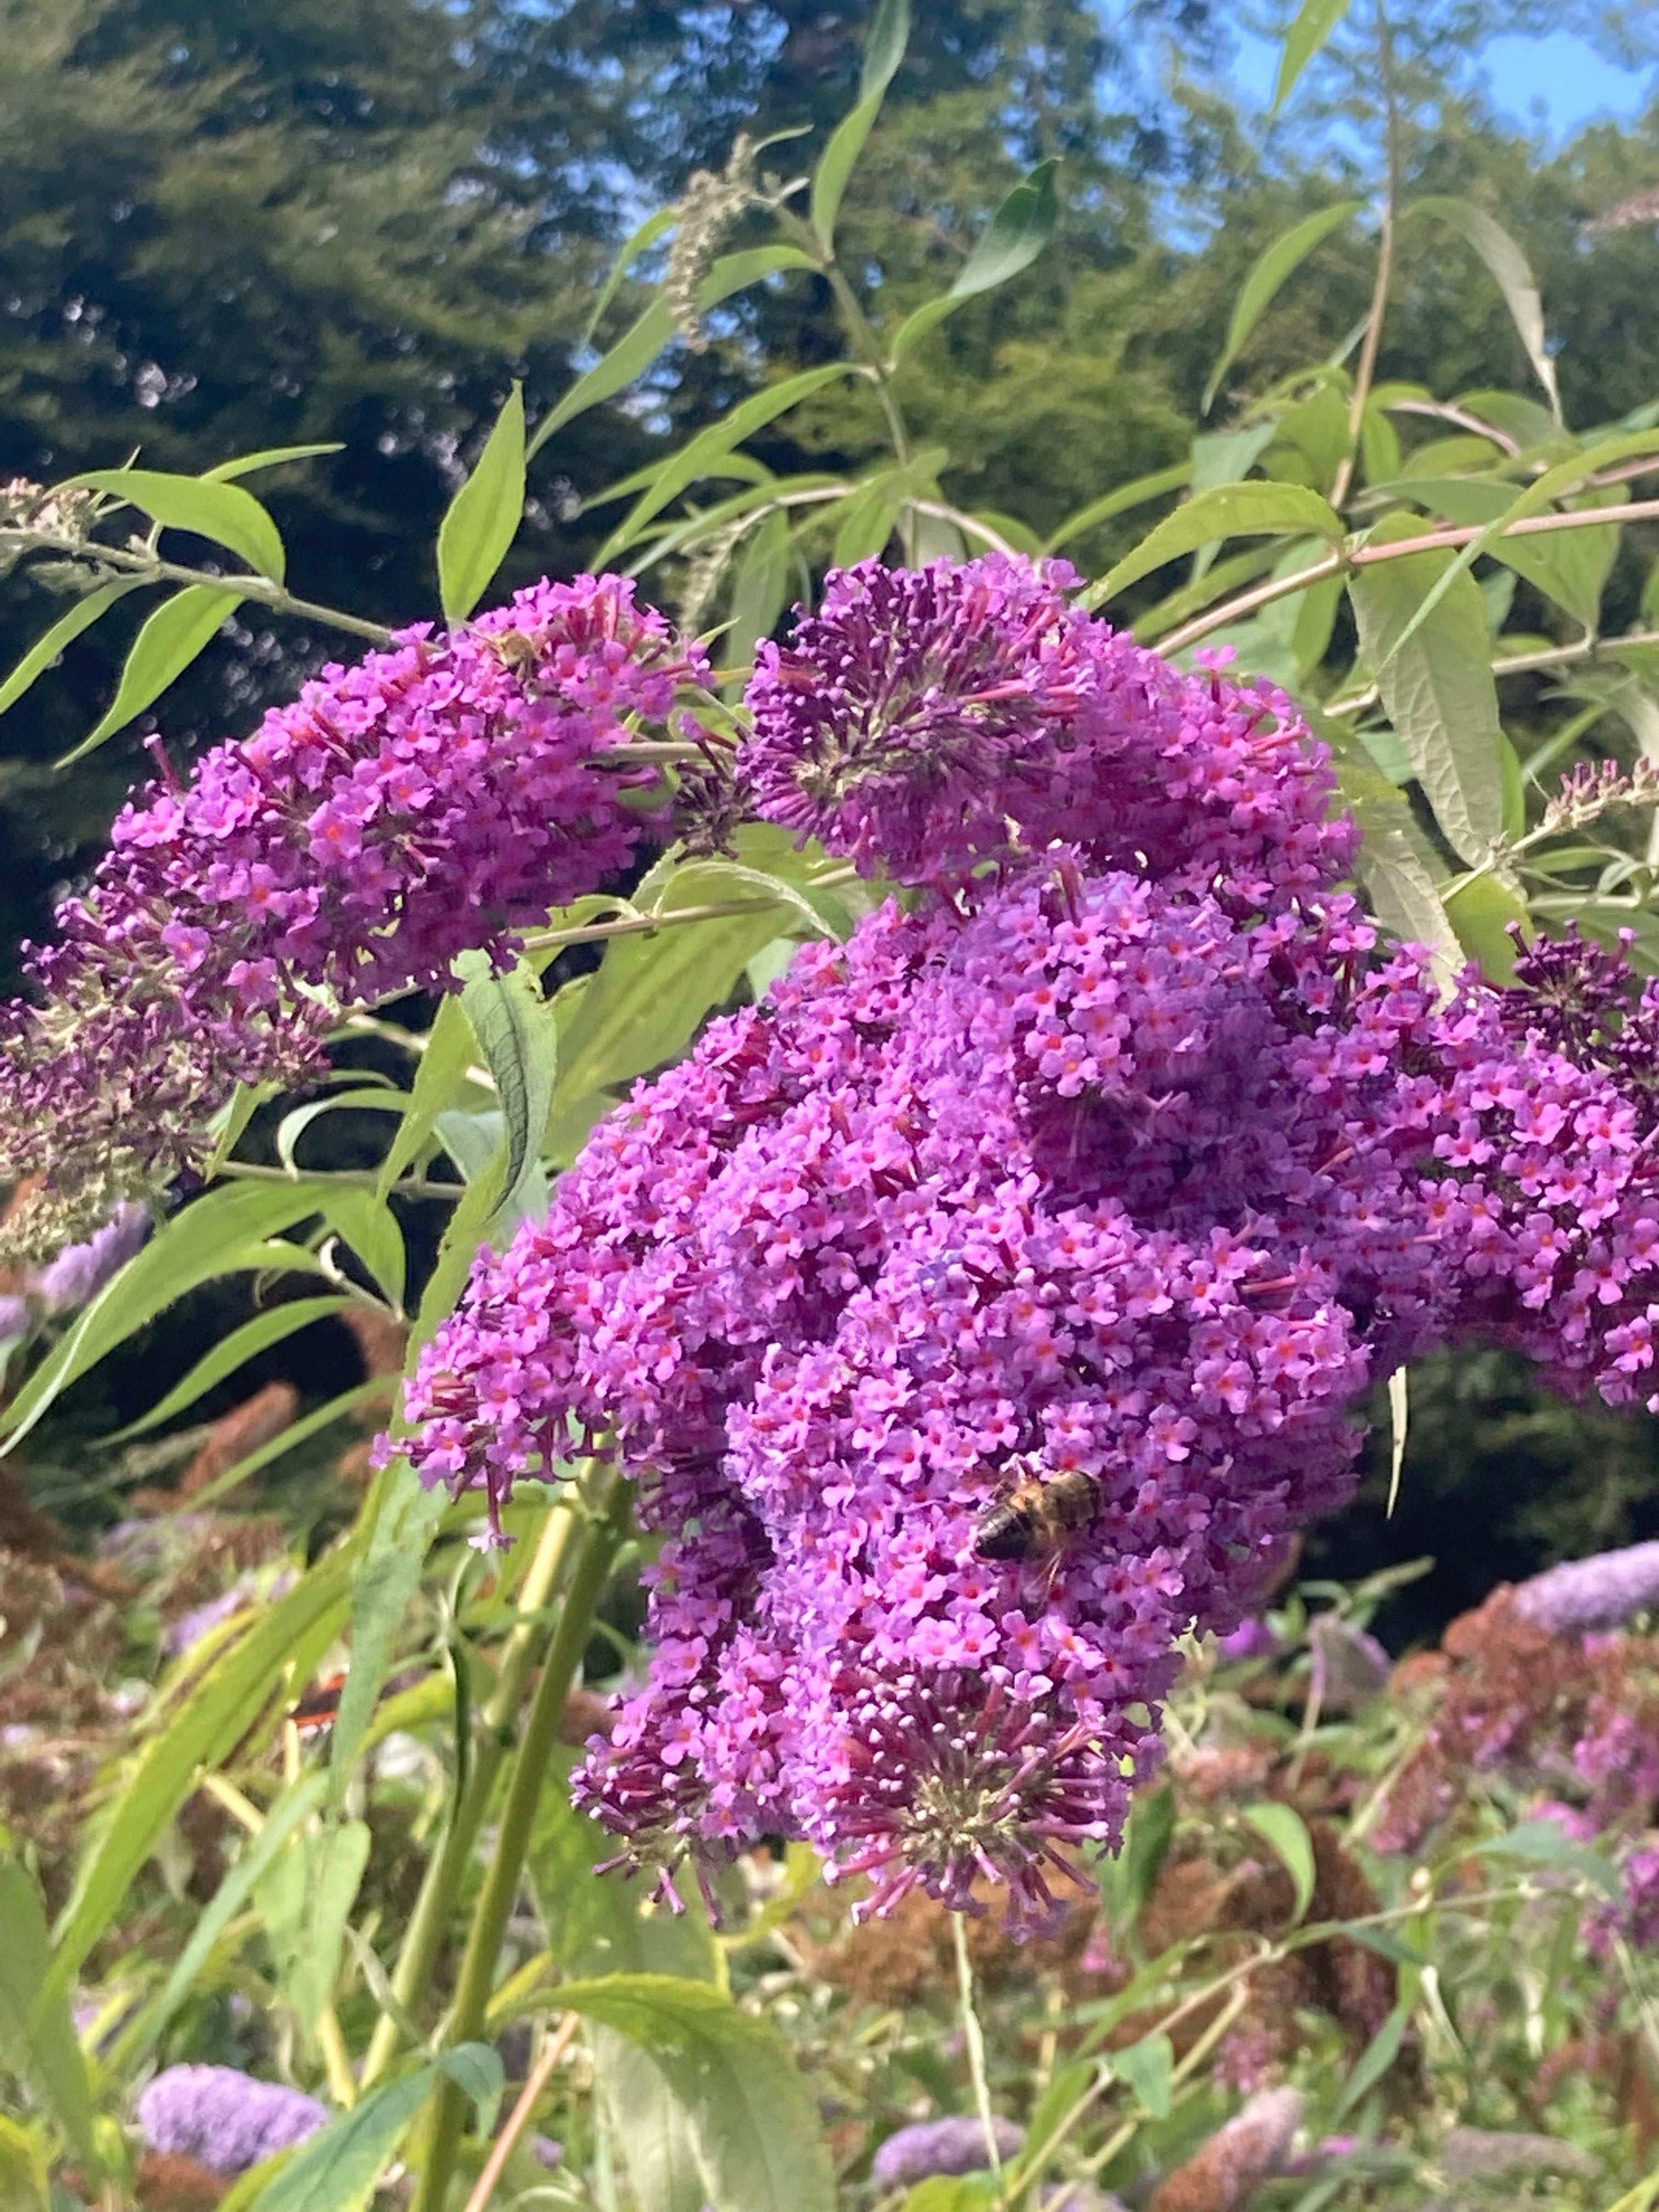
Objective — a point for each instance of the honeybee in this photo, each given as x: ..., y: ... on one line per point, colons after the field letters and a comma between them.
x: 1034, y: 1521
x: 513, y: 649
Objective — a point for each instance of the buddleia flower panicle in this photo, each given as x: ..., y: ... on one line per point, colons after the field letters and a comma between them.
x: 1603, y: 1591
x: 432, y: 797
x: 225, y: 2118
x: 954, y: 2145
x: 1135, y: 1157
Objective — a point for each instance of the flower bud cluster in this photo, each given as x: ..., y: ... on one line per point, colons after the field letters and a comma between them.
x: 425, y: 801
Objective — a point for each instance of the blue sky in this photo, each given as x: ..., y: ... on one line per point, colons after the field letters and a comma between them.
x: 1562, y: 73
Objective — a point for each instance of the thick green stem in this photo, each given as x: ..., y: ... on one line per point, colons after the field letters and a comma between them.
x: 593, y: 1552
x: 446, y: 1871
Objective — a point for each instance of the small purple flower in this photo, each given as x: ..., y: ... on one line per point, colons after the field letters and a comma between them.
x: 15, y: 1319
x: 81, y: 1271
x: 952, y: 2146
x: 191, y: 1627
x: 223, y: 2118
x: 1603, y: 1591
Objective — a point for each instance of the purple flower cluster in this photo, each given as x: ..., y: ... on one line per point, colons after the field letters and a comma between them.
x: 425, y: 801
x: 1130, y: 1165
x: 75, y: 1276
x: 1603, y: 1591
x: 926, y: 722
x: 954, y: 2145
x: 225, y: 2118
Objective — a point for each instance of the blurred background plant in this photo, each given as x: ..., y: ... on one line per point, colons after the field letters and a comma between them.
x: 1037, y: 282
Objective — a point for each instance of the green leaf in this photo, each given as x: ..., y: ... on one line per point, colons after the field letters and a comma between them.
x: 755, y: 2125
x: 650, y: 2128
x: 218, y: 1234
x: 1481, y: 912
x: 211, y: 1721
x: 653, y: 332
x: 293, y: 1809
x: 1314, y: 21
x: 1148, y: 2067
x: 1268, y: 272
x: 68, y: 627
x: 1239, y: 510
x: 1284, y: 1828
x: 696, y: 459
x: 37, y: 2034
x: 760, y: 589
x: 1132, y: 1876
x: 1569, y: 566
x: 369, y: 1226
x: 228, y: 1355
x: 273, y: 456
x: 1400, y: 870
x: 337, y: 2168
x: 1017, y: 233
x: 520, y: 1040
x: 1435, y: 676
x: 888, y: 35
x: 600, y: 1923
x: 647, y: 236
x: 206, y: 508
x: 333, y: 1866
x: 1378, y: 2056
x: 439, y: 1081
x: 1135, y: 493
x: 24, y: 2186
x: 177, y: 632
x: 1512, y: 273
x: 483, y: 517
x: 1541, y: 1843
x: 650, y: 992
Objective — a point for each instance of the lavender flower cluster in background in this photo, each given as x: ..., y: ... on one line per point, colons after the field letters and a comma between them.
x: 225, y: 2118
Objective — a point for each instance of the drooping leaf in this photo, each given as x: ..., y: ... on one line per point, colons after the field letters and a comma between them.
x: 1512, y: 274
x: 1283, y: 1827
x: 1313, y: 24
x: 483, y: 517
x: 369, y: 1227
x: 273, y: 456
x: 1437, y: 685
x: 756, y: 2127
x: 1379, y: 2053
x: 760, y: 589
x: 888, y: 35
x: 37, y: 2033
x: 206, y: 507
x: 1238, y: 510
x: 520, y: 1040
x: 439, y: 1080
x: 231, y: 1352
x: 173, y: 637
x: 63, y: 632
x: 211, y: 1720
x: 1570, y: 566
x: 1271, y: 270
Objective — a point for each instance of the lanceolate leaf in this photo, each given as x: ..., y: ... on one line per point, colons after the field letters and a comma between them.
x: 1271, y: 270
x: 1137, y: 493
x: 484, y: 515
x: 64, y: 631
x: 1514, y: 276
x: 1284, y: 1828
x: 1018, y: 231
x: 1438, y: 687
x: 228, y: 1354
x: 337, y: 2169
x: 653, y: 332
x: 516, y: 1031
x: 219, y: 1233
x: 756, y: 2127
x: 175, y: 634
x: 1239, y: 510
x: 223, y: 512
x: 888, y: 35
x: 37, y: 2034
x: 1314, y: 21
x: 273, y: 456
